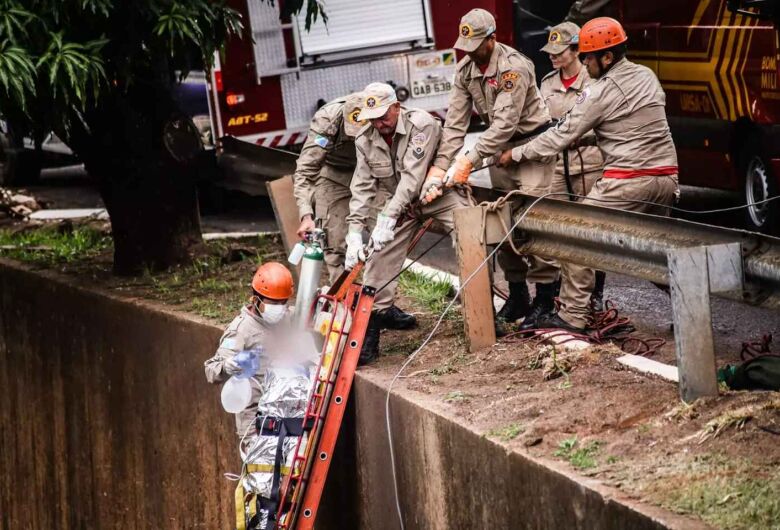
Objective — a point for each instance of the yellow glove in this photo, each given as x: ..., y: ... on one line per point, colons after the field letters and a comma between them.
x: 461, y: 171
x: 432, y: 187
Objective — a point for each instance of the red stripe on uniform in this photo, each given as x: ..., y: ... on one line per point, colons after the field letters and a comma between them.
x: 634, y: 173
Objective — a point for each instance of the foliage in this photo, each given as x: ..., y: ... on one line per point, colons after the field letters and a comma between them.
x: 314, y: 9
x: 65, y: 54
x: 508, y: 433
x: 580, y: 457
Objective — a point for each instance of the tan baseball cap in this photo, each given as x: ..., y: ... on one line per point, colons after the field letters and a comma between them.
x: 474, y: 27
x: 561, y: 37
x: 353, y: 105
x: 377, y: 99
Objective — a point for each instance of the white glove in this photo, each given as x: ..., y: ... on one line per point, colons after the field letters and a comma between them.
x: 448, y: 177
x: 354, y: 242
x: 230, y: 366
x: 384, y: 231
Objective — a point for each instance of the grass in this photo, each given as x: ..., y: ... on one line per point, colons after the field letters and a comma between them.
x: 52, y: 246
x: 581, y: 457
x: 508, y: 433
x: 433, y: 295
x: 723, y: 492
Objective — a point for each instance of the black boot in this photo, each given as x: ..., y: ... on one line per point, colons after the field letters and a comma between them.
x: 517, y: 305
x: 597, y: 296
x: 544, y: 304
x: 370, y: 349
x: 553, y: 321
x: 394, y: 318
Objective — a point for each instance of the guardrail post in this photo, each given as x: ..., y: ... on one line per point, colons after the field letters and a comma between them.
x: 477, y: 296
x: 694, y: 273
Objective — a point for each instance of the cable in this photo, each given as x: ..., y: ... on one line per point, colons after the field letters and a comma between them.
x: 415, y: 260
x: 427, y: 340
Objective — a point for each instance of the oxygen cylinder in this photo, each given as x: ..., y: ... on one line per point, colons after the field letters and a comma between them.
x: 309, y: 279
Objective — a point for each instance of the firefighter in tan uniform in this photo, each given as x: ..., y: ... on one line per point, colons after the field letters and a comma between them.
x: 577, y: 169
x: 323, y: 173
x: 625, y: 108
x: 393, y: 155
x: 501, y: 84
x: 321, y: 187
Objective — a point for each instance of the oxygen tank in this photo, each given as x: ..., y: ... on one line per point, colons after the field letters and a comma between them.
x: 309, y: 278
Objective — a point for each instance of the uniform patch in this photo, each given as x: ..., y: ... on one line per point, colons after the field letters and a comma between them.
x: 582, y: 96
x: 466, y: 31
x: 418, y: 139
x: 370, y: 102
x: 509, y: 81
x: 352, y: 117
x: 322, y: 141
x: 228, y: 343
x: 554, y: 37
x: 418, y: 153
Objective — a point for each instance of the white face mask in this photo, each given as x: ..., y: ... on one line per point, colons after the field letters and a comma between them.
x: 274, y: 313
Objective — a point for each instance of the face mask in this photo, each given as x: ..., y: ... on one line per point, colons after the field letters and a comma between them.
x: 274, y: 313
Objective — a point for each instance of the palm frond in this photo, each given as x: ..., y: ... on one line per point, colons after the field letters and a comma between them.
x: 17, y: 73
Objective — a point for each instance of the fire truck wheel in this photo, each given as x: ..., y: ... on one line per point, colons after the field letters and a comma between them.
x: 760, y: 184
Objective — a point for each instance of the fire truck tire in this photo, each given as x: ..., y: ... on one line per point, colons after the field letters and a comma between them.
x: 18, y: 166
x: 760, y: 183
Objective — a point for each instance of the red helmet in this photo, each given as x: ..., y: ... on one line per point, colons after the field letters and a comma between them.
x: 600, y: 34
x: 273, y: 280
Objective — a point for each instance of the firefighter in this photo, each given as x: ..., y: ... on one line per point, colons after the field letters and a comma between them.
x: 501, y: 84
x: 393, y: 155
x: 625, y: 107
x: 577, y: 168
x: 272, y: 287
x: 321, y: 186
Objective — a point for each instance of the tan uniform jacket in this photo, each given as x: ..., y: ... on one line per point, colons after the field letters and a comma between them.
x: 625, y: 108
x: 398, y: 170
x: 506, y: 98
x: 559, y: 101
x: 245, y: 332
x: 327, y: 153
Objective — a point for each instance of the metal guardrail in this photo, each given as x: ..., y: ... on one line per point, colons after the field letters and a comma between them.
x: 637, y: 244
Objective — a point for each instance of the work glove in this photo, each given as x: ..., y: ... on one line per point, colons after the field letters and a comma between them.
x: 384, y: 231
x: 459, y: 173
x: 354, y: 242
x: 432, y: 187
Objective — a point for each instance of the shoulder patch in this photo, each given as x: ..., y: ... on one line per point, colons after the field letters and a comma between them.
x: 582, y: 96
x: 418, y: 139
x: 509, y: 81
x: 322, y: 141
x: 418, y: 152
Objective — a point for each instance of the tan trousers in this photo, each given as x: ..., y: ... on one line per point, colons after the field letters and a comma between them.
x: 386, y: 263
x: 577, y: 281
x: 331, y: 204
x: 581, y: 185
x: 533, y: 178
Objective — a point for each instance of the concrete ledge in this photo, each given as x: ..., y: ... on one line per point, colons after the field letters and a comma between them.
x: 107, y: 422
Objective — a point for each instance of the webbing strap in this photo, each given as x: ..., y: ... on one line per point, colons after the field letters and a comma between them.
x: 239, y: 499
x: 265, y: 468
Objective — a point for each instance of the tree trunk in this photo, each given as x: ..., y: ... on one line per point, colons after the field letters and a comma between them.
x: 144, y: 152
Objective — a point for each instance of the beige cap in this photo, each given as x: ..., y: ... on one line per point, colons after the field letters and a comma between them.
x: 561, y: 37
x: 352, y: 107
x: 377, y: 99
x: 474, y: 27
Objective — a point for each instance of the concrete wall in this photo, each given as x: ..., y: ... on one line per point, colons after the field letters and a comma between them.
x: 106, y: 421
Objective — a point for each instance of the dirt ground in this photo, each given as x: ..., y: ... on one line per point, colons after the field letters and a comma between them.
x: 716, y: 459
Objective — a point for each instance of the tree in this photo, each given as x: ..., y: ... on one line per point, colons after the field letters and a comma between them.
x: 100, y: 73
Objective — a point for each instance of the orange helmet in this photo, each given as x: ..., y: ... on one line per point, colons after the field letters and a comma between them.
x: 600, y: 34
x: 273, y: 280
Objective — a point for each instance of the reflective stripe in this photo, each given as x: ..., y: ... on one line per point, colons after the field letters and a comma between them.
x: 239, y: 498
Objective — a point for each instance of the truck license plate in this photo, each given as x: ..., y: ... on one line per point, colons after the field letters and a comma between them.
x: 431, y: 74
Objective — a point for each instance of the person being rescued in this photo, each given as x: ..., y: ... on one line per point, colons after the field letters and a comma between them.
x: 269, y: 426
